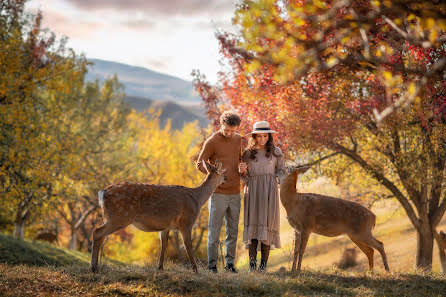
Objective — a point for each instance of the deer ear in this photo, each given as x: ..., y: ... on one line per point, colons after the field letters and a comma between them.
x: 218, y: 165
x: 303, y: 169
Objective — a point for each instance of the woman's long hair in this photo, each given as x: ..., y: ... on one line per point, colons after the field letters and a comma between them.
x: 269, y: 146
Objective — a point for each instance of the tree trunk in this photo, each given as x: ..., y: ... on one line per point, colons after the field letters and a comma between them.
x: 175, y: 240
x: 19, y: 229
x: 19, y: 223
x: 425, y: 247
x: 73, y: 239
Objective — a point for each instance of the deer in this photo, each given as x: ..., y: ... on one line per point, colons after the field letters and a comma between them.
x: 47, y: 236
x: 328, y: 216
x: 155, y: 208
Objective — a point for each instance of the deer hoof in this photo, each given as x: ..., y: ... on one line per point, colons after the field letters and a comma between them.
x: 160, y: 268
x: 94, y: 269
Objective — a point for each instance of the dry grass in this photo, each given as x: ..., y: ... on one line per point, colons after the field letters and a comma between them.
x: 21, y: 280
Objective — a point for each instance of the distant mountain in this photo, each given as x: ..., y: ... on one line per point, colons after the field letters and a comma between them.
x: 145, y: 83
x: 179, y: 115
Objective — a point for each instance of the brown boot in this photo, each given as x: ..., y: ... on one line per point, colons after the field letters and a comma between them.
x: 265, y: 255
x: 253, y: 255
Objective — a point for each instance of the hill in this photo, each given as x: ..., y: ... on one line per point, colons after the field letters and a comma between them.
x: 178, y: 114
x: 145, y: 83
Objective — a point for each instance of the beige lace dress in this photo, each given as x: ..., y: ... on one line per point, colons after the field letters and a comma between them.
x: 261, y: 198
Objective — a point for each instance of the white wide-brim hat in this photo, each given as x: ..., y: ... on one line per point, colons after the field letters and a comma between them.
x: 261, y: 127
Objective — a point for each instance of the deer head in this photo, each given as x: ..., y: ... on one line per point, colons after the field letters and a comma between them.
x: 217, y: 170
x: 291, y: 172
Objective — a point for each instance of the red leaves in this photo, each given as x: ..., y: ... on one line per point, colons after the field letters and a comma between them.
x: 210, y: 97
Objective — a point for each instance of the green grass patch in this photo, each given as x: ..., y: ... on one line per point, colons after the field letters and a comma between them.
x: 29, y: 252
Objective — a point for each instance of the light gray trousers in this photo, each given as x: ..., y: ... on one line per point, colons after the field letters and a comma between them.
x: 228, y: 207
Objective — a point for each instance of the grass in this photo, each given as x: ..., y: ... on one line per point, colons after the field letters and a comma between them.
x: 29, y: 252
x: 130, y: 280
x: 31, y: 268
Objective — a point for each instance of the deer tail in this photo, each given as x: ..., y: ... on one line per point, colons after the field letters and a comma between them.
x: 101, y: 197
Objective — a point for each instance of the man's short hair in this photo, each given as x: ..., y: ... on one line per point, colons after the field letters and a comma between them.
x: 230, y: 118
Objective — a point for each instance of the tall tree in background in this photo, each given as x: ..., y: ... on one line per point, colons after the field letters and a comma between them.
x: 32, y: 64
x: 96, y: 125
x: 361, y: 83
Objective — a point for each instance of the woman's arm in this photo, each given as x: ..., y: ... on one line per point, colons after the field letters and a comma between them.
x: 243, y: 168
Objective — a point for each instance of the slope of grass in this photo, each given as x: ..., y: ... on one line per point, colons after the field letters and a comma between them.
x: 14, y: 251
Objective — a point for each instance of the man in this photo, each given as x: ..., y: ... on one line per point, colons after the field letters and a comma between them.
x: 224, y: 145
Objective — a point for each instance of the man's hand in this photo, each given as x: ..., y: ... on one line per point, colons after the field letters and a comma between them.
x: 243, y: 168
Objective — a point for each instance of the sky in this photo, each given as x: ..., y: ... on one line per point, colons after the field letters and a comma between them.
x: 168, y: 36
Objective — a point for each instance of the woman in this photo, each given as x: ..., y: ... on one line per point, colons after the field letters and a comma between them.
x: 260, y: 162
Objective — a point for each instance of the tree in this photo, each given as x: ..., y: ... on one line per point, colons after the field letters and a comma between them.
x: 300, y: 36
x: 32, y: 65
x: 96, y: 126
x: 326, y: 74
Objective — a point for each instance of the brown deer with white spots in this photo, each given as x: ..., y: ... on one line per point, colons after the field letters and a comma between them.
x: 326, y: 216
x: 155, y: 208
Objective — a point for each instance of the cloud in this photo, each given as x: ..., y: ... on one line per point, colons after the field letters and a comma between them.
x: 160, y: 7
x: 64, y: 24
x: 138, y: 24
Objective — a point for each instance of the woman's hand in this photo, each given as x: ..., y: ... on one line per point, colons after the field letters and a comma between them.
x: 243, y: 168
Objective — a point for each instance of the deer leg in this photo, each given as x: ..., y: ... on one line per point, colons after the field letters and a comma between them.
x: 303, y: 244
x: 187, y: 239
x: 99, y: 235
x: 297, y: 237
x: 164, y: 236
x: 368, y: 251
x: 374, y: 243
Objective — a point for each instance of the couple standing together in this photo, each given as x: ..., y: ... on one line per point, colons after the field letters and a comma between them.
x: 259, y: 163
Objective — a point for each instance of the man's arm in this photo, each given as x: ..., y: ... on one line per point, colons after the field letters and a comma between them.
x: 205, y: 154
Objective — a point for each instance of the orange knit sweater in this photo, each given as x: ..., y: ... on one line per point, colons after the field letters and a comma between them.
x: 228, y: 151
